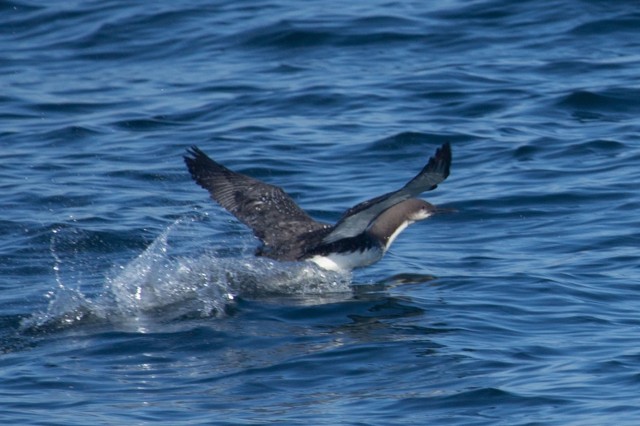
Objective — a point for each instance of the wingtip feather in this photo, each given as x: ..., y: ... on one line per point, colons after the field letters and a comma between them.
x: 442, y: 158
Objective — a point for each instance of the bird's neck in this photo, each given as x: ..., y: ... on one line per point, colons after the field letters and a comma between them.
x: 388, y: 226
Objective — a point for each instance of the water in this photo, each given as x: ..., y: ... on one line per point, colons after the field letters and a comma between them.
x: 128, y: 297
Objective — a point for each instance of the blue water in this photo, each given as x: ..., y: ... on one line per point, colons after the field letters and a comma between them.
x: 128, y: 297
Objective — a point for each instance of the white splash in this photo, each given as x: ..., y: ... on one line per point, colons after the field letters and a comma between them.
x: 158, y: 287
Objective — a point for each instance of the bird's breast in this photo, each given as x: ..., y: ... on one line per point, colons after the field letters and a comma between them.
x: 346, y: 261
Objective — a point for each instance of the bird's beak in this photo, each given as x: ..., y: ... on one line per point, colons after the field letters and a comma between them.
x: 444, y: 210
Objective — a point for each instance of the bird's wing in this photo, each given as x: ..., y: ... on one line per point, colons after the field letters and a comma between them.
x: 272, y: 214
x: 358, y: 218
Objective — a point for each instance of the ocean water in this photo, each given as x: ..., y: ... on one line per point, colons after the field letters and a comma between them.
x: 128, y: 297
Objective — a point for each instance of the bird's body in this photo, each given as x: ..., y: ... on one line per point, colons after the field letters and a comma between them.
x: 359, y: 238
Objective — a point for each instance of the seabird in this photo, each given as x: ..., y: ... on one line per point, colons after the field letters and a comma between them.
x: 361, y: 236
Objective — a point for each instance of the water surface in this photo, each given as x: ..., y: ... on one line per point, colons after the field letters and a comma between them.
x: 128, y: 297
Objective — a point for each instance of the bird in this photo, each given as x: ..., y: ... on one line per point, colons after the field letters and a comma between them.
x: 361, y: 236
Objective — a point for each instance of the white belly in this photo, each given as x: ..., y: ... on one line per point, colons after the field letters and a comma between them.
x: 347, y: 261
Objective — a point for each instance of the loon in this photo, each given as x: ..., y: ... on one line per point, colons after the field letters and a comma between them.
x: 360, y: 237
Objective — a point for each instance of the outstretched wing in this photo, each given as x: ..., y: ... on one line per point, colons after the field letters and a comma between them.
x: 358, y: 218
x: 272, y: 214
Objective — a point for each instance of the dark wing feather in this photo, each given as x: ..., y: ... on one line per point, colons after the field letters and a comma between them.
x: 358, y: 218
x: 272, y: 214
